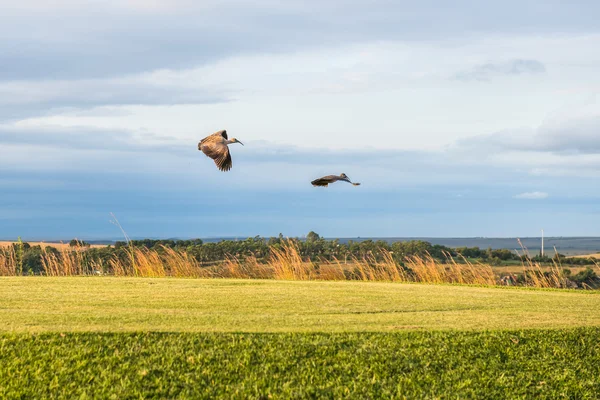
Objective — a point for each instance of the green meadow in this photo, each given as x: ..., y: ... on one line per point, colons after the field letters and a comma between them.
x: 97, y: 337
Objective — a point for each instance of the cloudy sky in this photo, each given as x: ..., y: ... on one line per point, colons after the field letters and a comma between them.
x: 460, y: 118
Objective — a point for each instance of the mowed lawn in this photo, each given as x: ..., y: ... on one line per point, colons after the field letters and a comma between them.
x: 41, y: 304
x: 121, y: 338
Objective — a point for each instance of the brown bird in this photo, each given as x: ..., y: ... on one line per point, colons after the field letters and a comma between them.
x: 326, y: 180
x: 216, y: 147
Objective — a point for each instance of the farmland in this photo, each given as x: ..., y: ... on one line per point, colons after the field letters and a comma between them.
x: 56, y: 245
x: 595, y: 255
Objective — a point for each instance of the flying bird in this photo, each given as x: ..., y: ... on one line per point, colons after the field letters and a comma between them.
x: 326, y: 180
x: 216, y: 147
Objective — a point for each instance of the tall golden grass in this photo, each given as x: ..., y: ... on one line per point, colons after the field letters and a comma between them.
x: 535, y: 276
x: 65, y: 262
x: 11, y: 259
x: 8, y: 262
x: 284, y: 263
x: 287, y: 264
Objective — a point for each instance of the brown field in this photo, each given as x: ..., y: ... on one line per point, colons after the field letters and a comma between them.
x: 596, y: 255
x: 46, y: 244
x: 517, y: 269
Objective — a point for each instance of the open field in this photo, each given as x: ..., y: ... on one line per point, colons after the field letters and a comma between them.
x: 499, y: 365
x: 101, y: 337
x: 595, y: 255
x: 569, y: 246
x: 45, y: 304
x: 59, y: 246
x: 516, y: 269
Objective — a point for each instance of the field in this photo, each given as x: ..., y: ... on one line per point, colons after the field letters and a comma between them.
x: 569, y: 246
x: 59, y: 246
x: 45, y: 304
x: 99, y: 337
x: 521, y: 364
x: 595, y: 255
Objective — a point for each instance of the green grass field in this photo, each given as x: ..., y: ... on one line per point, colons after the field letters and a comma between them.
x: 180, y: 338
x: 39, y: 304
x: 499, y: 365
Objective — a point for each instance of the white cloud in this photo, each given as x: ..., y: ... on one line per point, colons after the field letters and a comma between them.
x: 489, y: 71
x: 382, y: 95
x: 532, y: 196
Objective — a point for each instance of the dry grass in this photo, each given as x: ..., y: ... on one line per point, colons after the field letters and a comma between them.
x: 419, y: 269
x: 544, y: 277
x: 8, y: 262
x: 68, y: 261
x: 249, y: 268
x: 286, y: 263
x: 552, y: 277
x: 429, y: 270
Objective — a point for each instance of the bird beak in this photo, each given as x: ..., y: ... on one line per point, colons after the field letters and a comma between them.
x: 240, y: 143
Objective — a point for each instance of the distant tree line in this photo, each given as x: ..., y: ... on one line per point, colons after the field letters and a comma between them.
x: 317, y: 248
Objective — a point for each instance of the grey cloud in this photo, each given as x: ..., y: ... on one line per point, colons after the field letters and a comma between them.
x: 489, y: 71
x: 85, y: 138
x: 578, y: 135
x: 20, y: 99
x: 512, y: 139
x: 97, y: 41
x: 572, y: 134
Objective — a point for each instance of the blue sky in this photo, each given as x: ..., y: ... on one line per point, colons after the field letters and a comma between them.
x: 459, y: 118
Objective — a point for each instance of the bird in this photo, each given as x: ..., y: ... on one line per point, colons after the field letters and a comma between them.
x: 216, y: 147
x: 326, y: 180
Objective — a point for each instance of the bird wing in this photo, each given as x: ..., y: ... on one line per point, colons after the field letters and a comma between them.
x: 320, y: 182
x: 214, y: 137
x: 219, y: 152
x: 324, y: 181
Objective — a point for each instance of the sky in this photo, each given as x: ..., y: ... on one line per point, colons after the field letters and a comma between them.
x: 460, y: 118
